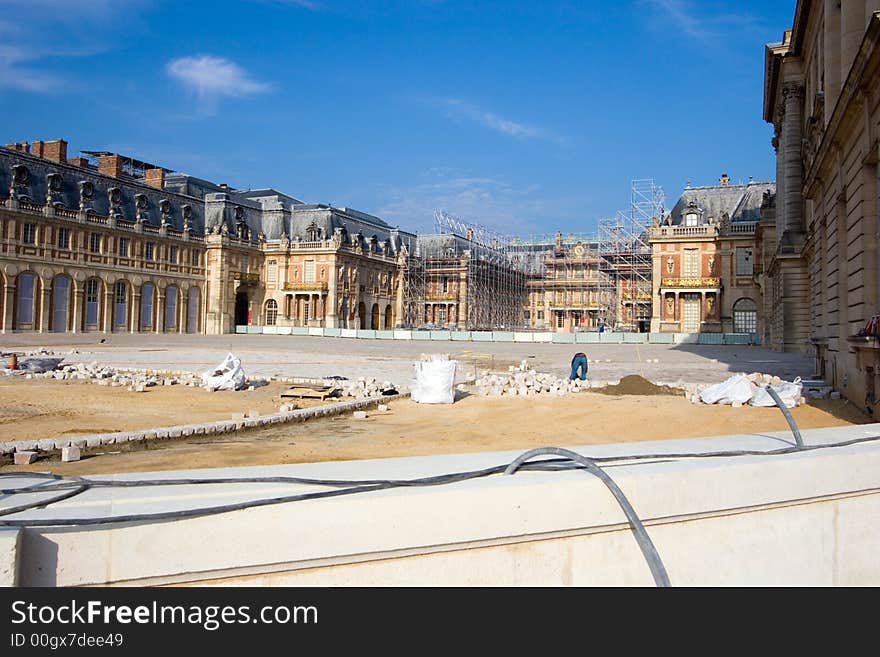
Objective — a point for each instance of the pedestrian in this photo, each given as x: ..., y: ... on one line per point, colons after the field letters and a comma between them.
x: 579, y: 366
x: 601, y: 327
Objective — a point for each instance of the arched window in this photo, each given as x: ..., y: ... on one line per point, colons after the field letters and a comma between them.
x: 170, y: 308
x: 745, y: 316
x: 192, y: 311
x: 147, y: 306
x: 271, y: 312
x: 25, y: 301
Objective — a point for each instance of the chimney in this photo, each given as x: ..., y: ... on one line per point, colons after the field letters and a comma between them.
x: 155, y: 178
x: 55, y: 150
x: 21, y: 147
x: 110, y: 165
x: 37, y: 148
x: 725, y: 180
x: 78, y: 162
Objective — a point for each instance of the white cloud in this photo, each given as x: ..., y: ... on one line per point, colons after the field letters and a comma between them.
x: 458, y: 108
x: 212, y: 77
x: 705, y: 22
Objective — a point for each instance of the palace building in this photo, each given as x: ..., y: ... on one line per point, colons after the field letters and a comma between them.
x: 704, y: 261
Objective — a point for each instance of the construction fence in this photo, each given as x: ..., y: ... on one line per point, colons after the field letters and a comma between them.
x: 512, y: 336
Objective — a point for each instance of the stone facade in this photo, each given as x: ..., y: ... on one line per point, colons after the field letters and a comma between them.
x: 704, y: 275
x: 822, y: 95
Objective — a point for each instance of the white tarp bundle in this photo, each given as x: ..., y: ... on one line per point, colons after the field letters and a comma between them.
x: 789, y: 393
x: 434, y: 380
x: 228, y: 375
x: 737, y: 388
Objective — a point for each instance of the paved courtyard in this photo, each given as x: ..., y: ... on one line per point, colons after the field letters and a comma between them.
x: 308, y: 356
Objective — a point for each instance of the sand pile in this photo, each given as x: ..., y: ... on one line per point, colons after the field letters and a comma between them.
x: 637, y: 385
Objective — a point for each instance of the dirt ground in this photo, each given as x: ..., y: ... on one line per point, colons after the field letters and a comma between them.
x: 472, y: 424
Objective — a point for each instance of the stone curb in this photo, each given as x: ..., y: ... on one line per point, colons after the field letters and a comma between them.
x: 219, y: 426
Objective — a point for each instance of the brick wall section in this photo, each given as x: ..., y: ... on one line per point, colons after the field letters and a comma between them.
x: 155, y: 178
x: 110, y: 165
x: 55, y: 150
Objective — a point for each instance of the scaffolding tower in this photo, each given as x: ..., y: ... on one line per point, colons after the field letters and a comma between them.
x: 462, y: 277
x: 625, y: 255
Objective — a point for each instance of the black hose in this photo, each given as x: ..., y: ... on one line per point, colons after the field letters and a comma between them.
x: 655, y: 563
x: 788, y: 417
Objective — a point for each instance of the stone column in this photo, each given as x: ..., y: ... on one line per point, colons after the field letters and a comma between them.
x: 8, y: 305
x: 158, y: 310
x: 831, y: 55
x: 45, y: 298
x: 135, y: 313
x: 792, y: 167
x: 78, y: 310
x: 398, y: 302
x: 332, y: 301
x: 107, y: 315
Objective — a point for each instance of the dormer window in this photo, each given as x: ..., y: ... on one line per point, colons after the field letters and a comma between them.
x: 692, y: 215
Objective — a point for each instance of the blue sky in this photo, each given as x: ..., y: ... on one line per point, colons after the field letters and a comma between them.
x: 528, y: 117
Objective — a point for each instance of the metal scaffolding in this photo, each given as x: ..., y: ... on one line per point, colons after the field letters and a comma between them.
x: 625, y: 255
x: 470, y: 277
x: 462, y: 277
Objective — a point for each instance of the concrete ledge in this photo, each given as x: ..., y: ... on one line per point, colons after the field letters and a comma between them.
x: 10, y: 539
x: 805, y: 518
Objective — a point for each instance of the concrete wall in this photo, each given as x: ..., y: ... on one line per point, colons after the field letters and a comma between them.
x: 807, y: 518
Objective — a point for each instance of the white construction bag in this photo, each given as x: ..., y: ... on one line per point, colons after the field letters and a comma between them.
x: 788, y: 393
x: 434, y: 382
x: 736, y: 388
x: 228, y: 375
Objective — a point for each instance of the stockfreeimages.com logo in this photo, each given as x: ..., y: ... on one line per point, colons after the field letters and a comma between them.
x: 210, y: 617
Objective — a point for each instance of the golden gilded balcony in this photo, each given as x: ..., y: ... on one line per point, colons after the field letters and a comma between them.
x: 245, y: 277
x: 690, y: 282
x: 314, y: 286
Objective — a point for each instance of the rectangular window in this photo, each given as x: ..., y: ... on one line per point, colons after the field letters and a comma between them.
x: 149, y: 250
x: 63, y: 238
x: 691, y: 264
x: 309, y: 274
x: 272, y: 271
x: 559, y: 319
x: 123, y: 247
x: 29, y: 234
x: 92, y: 301
x: 305, y: 311
x: 540, y: 314
x: 528, y: 315
x: 172, y: 255
x: 95, y: 243
x: 194, y: 259
x: 445, y: 284
x: 744, y: 261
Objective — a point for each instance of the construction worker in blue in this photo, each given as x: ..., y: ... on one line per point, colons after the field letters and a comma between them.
x: 579, y: 366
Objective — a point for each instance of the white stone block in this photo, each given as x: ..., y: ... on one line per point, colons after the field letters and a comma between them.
x: 69, y: 454
x: 24, y: 458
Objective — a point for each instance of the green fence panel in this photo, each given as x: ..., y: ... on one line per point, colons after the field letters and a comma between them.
x: 481, y: 336
x: 502, y: 336
x: 564, y: 338
x: 440, y: 335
